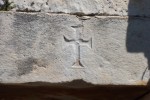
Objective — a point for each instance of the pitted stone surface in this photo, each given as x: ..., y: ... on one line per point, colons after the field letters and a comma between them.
x: 86, y: 7
x: 60, y: 47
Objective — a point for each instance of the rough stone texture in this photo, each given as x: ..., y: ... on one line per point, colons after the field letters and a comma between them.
x: 88, y: 7
x: 60, y: 47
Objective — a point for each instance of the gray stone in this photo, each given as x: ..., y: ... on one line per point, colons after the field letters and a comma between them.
x: 86, y: 7
x: 61, y: 47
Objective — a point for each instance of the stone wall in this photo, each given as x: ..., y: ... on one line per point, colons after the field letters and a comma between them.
x: 98, y: 41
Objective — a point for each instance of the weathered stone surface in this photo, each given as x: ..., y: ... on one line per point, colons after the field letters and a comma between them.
x: 101, y: 7
x: 59, y: 48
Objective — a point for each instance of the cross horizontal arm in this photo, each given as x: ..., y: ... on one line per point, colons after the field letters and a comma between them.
x: 85, y: 42
x: 67, y: 40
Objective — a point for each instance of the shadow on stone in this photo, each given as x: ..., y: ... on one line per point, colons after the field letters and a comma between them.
x: 138, y: 32
x: 75, y: 90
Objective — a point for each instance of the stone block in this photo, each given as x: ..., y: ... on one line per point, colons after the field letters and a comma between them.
x: 38, y: 47
x: 86, y: 7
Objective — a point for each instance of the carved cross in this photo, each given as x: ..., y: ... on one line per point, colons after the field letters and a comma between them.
x: 78, y: 42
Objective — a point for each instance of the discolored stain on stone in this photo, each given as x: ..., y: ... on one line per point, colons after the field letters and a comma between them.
x: 23, y: 18
x: 24, y: 33
x: 28, y: 65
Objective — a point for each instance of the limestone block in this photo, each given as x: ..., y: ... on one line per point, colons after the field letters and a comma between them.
x: 38, y: 47
x: 86, y: 7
